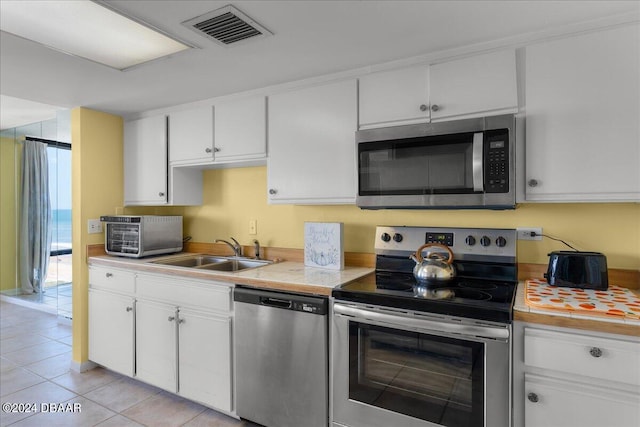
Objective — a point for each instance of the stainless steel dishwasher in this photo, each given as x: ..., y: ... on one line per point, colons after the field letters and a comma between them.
x: 281, y: 353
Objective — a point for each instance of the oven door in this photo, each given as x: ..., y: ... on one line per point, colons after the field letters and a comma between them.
x: 392, y: 368
x: 123, y: 239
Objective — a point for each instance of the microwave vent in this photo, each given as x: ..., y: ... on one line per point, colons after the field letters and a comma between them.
x: 227, y: 26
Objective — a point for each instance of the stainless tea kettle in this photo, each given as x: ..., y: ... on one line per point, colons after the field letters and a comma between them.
x: 434, y: 267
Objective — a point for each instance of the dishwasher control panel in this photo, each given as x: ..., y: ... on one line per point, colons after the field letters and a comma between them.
x: 282, y: 300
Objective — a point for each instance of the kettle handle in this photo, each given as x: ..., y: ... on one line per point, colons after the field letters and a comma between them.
x: 419, y: 257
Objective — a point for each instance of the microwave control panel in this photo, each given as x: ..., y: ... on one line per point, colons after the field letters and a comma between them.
x: 496, y: 171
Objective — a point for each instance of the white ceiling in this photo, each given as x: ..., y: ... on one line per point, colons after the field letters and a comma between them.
x: 311, y: 38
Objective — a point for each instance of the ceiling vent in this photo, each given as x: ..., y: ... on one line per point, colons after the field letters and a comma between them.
x: 227, y: 26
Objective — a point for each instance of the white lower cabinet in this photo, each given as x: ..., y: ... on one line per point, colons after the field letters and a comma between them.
x: 571, y: 404
x: 112, y: 318
x: 204, y: 364
x: 169, y: 332
x: 566, y: 377
x: 111, y: 330
x: 184, y: 351
x: 156, y: 344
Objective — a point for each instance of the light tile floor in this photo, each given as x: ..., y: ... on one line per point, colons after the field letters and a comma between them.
x: 35, y: 358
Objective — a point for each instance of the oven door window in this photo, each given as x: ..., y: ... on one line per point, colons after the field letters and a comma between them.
x: 433, y: 165
x: 433, y: 378
x: 123, y: 238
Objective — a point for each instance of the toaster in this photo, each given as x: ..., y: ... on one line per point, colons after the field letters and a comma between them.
x: 574, y: 269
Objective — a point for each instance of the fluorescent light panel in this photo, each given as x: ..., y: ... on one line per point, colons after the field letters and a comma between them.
x: 88, y: 30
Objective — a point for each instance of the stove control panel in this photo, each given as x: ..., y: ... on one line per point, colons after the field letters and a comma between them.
x: 466, y: 243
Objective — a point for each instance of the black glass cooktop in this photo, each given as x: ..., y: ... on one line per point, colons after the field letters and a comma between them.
x: 464, y: 297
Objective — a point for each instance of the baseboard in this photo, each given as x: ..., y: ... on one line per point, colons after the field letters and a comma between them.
x: 82, y: 366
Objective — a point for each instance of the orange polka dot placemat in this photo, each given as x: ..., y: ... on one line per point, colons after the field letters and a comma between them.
x: 616, y: 301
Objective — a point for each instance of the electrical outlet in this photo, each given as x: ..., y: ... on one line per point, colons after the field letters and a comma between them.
x: 253, y: 227
x: 95, y: 226
x: 529, y: 233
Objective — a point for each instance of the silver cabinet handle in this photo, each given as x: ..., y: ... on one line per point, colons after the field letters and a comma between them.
x: 129, y: 309
x: 435, y: 107
x: 533, y: 397
x: 423, y: 107
x: 272, y: 191
x: 216, y: 149
x: 180, y: 321
x: 532, y: 183
x: 171, y: 318
x: 595, y: 351
x: 161, y: 194
x: 109, y: 274
x: 208, y: 150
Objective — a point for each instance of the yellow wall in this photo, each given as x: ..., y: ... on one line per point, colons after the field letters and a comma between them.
x: 8, y: 231
x: 234, y: 196
x: 97, y: 187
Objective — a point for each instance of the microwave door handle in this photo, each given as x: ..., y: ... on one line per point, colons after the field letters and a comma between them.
x: 478, y: 150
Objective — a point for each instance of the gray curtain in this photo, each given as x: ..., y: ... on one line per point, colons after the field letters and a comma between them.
x: 35, y: 218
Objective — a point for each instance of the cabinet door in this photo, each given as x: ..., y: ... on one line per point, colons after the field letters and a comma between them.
x: 312, y: 145
x: 145, y: 161
x: 111, y: 331
x: 475, y: 86
x: 241, y: 130
x: 156, y: 344
x: 567, y: 404
x: 191, y: 136
x: 582, y: 127
x: 205, y: 359
x: 394, y: 97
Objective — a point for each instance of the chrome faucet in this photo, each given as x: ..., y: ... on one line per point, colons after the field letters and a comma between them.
x: 235, y: 246
x: 256, y: 248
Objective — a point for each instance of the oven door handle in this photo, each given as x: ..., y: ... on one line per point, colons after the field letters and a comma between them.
x: 478, y: 157
x: 428, y: 325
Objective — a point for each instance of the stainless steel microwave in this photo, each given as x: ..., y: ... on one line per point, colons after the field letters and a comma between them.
x: 137, y: 236
x: 457, y: 164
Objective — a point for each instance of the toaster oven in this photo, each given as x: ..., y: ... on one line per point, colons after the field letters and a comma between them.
x: 138, y: 236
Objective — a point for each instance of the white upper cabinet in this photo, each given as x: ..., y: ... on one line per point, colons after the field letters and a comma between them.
x: 582, y: 113
x: 478, y: 85
x: 145, y: 161
x: 241, y: 130
x: 148, y: 180
x: 394, y: 97
x: 312, y: 145
x: 191, y: 136
x: 230, y: 132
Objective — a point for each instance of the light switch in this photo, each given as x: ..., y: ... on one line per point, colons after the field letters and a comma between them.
x: 253, y: 227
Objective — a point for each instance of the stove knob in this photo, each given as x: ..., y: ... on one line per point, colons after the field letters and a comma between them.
x: 385, y: 237
x: 485, y: 241
x: 470, y: 240
x: 397, y: 237
x: 501, y: 242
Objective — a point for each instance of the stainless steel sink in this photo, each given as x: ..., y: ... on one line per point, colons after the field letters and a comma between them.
x: 216, y: 263
x: 195, y: 261
x: 235, y: 265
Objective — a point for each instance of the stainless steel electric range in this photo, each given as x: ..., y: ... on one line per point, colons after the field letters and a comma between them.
x: 415, y: 354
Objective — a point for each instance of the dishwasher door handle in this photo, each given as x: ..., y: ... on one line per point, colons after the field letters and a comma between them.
x: 275, y: 302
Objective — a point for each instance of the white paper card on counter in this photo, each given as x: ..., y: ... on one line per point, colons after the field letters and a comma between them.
x: 323, y: 245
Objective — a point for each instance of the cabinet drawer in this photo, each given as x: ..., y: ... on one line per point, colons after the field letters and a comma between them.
x: 189, y: 293
x: 549, y: 402
x: 112, y: 279
x: 591, y: 356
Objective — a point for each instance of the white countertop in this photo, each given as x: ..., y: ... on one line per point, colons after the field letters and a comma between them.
x: 286, y: 275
